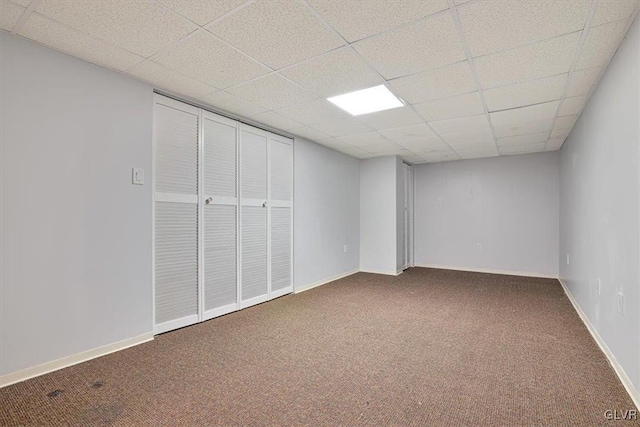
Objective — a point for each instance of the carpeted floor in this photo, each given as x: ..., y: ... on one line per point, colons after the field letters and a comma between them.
x: 426, y: 348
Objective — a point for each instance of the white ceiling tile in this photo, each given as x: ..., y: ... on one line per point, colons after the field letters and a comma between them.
x: 436, y: 84
x: 355, y: 152
x: 202, y: 11
x: 482, y: 135
x: 357, y: 19
x: 164, y: 78
x: 532, y: 113
x: 334, y: 73
x: 560, y: 133
x: 312, y: 134
x: 272, y: 92
x: 439, y: 157
x: 527, y: 93
x: 203, y: 57
x: 382, y: 148
x: 613, y: 10
x: 47, y: 31
x: 478, y: 153
x: 495, y: 25
x: 465, y: 124
x: 565, y: 122
x: 424, y: 45
x: 334, y: 143
x: 227, y: 102
x: 406, y: 133
x: 316, y: 111
x: 142, y: 27
x: 523, y: 128
x: 572, y: 106
x: 534, y: 147
x: 363, y: 139
x: 342, y: 127
x: 601, y: 42
x: 275, y: 120
x: 582, y: 81
x: 475, y: 145
x: 523, y: 139
x: 277, y: 33
x: 555, y: 144
x: 395, y: 117
x: 542, y: 59
x: 433, y: 144
x: 10, y: 14
x: 23, y: 3
x: 469, y: 104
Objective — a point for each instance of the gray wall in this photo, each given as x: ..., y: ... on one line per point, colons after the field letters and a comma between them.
x: 599, y: 207
x: 378, y: 211
x: 76, y: 234
x: 326, y: 213
x: 509, y: 205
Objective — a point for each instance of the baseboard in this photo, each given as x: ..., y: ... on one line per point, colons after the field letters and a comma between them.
x: 388, y: 273
x: 74, y: 359
x: 624, y: 379
x: 298, y: 289
x: 491, y: 271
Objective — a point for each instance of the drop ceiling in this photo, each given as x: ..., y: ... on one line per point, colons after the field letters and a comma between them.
x: 480, y: 78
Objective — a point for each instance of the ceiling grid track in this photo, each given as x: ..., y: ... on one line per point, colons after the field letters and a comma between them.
x: 27, y: 13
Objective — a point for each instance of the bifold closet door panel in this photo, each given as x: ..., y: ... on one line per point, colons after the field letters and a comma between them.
x: 254, y: 287
x: 220, y: 214
x: 281, y: 215
x: 176, y: 214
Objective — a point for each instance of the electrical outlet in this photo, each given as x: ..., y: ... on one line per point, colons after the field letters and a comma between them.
x: 567, y: 259
x: 439, y: 201
x: 621, y: 303
x: 479, y: 246
x: 346, y: 249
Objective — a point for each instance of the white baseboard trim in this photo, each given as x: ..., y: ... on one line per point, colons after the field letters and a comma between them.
x: 387, y: 273
x: 74, y: 359
x: 298, y: 289
x: 624, y: 379
x: 491, y: 271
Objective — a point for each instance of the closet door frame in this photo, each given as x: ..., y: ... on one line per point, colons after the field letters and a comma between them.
x: 168, y: 197
x: 271, y: 204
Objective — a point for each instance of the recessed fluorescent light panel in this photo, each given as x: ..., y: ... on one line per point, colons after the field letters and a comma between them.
x: 365, y: 101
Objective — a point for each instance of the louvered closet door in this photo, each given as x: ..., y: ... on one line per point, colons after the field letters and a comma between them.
x: 254, y: 286
x: 176, y: 214
x: 219, y: 215
x: 281, y: 219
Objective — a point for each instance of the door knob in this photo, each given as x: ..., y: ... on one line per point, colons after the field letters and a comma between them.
x: 208, y: 200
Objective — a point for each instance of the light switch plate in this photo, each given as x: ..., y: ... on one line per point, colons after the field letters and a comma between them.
x: 137, y: 176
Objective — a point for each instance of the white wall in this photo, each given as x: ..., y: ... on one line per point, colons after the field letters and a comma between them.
x: 326, y: 213
x: 600, y: 207
x: 508, y: 204
x: 76, y: 234
x: 378, y: 213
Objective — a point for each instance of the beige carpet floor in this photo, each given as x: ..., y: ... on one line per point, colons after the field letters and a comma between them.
x: 427, y: 348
